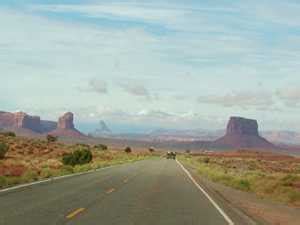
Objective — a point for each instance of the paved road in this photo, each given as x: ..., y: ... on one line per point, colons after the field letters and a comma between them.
x: 147, y: 192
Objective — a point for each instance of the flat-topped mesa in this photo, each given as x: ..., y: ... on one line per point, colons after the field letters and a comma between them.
x: 25, y: 124
x: 66, y: 121
x: 242, y: 126
x: 22, y: 120
x: 242, y: 133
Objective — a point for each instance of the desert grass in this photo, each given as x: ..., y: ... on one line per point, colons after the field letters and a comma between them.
x: 31, y: 160
x: 277, y: 180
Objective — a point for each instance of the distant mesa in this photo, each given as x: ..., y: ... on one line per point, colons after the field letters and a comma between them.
x: 7, y: 119
x: 242, y: 126
x: 242, y: 133
x: 20, y: 121
x: 102, y: 131
x: 66, y: 121
x: 27, y: 125
x: 103, y: 127
x: 48, y: 126
x: 65, y: 127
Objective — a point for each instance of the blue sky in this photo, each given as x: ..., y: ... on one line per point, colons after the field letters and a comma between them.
x: 152, y: 63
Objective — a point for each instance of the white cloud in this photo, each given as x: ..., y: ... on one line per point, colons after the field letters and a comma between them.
x: 281, y: 13
x: 118, y: 10
x: 290, y: 96
x: 95, y: 85
x: 138, y: 90
x: 243, y: 100
x: 224, y: 48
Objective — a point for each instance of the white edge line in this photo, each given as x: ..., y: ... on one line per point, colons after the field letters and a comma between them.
x: 54, y: 178
x: 226, y: 217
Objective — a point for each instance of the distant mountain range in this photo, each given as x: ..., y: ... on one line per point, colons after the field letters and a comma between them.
x: 240, y: 133
x: 287, y: 137
x: 276, y: 137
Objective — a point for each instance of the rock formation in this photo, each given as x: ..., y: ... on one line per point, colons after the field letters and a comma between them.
x: 48, y: 126
x: 66, y: 128
x: 22, y: 120
x: 6, y: 119
x: 102, y: 131
x: 66, y: 121
x: 24, y: 124
x: 242, y: 126
x: 103, y: 127
x: 242, y: 133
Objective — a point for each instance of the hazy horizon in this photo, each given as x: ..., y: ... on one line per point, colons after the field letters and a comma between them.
x: 152, y: 65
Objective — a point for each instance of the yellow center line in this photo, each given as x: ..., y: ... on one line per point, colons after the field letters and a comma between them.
x: 75, y: 213
x: 110, y: 191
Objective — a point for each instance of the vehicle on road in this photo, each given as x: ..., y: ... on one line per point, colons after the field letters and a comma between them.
x: 171, y: 155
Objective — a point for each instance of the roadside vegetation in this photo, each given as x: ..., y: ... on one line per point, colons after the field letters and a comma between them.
x: 80, y: 156
x: 3, y: 150
x: 24, y: 160
x: 269, y: 176
x: 51, y: 138
x: 127, y: 149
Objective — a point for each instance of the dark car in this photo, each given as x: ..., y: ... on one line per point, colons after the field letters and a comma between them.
x: 171, y: 155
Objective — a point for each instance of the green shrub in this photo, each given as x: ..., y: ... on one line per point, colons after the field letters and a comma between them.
x: 151, y: 150
x: 51, y: 138
x: 9, y: 134
x: 206, y: 160
x: 83, y: 156
x: 78, y: 157
x: 101, y: 147
x: 128, y: 150
x: 3, y: 150
x: 243, y: 185
x: 68, y: 159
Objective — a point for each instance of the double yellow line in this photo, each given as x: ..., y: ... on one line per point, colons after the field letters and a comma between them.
x: 80, y: 210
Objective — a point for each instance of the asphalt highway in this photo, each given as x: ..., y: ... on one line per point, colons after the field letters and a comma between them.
x: 156, y: 192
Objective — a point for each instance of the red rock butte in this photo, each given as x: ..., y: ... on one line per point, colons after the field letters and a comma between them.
x: 66, y: 121
x: 65, y: 127
x: 243, y: 133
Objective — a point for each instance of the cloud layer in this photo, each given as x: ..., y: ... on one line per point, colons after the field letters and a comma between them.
x: 217, y: 60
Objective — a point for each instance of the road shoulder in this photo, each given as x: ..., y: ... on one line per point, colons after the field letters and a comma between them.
x: 230, y: 207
